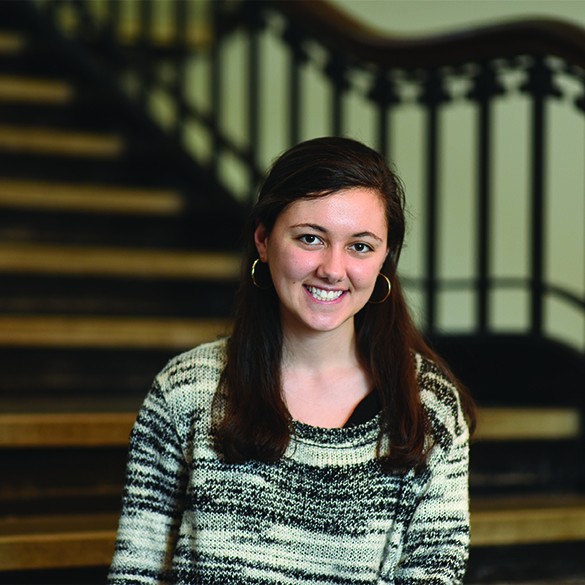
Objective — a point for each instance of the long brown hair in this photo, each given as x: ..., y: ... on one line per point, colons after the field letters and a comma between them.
x: 254, y: 422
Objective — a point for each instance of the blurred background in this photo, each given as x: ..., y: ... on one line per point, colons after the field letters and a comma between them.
x: 133, y: 136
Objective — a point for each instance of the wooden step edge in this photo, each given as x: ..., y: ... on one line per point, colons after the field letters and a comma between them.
x: 527, y: 524
x: 35, y: 91
x: 109, y: 332
x: 11, y: 43
x: 40, y: 195
x: 57, y: 541
x: 527, y: 424
x: 68, y: 429
x: 88, y: 540
x: 117, y: 262
x: 54, y: 142
x: 72, y: 429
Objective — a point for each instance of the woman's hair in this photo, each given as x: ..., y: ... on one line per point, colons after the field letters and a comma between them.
x: 254, y: 422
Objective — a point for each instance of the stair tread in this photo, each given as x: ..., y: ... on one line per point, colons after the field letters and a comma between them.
x: 50, y: 524
x: 108, y: 332
x: 525, y: 423
x: 57, y: 142
x: 79, y: 429
x: 11, y: 43
x: 47, y: 423
x: 27, y: 194
x: 117, y: 262
x: 527, y: 520
x: 59, y: 541
x: 143, y: 165
x: 16, y: 88
x: 50, y: 537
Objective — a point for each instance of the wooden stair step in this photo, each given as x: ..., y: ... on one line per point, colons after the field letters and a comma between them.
x: 108, y: 332
x: 78, y: 429
x: 527, y: 520
x: 11, y: 43
x: 101, y: 428
x: 34, y: 90
x: 70, y: 540
x: 45, y: 195
x: 56, y: 142
x: 528, y: 424
x: 117, y: 262
x: 59, y: 541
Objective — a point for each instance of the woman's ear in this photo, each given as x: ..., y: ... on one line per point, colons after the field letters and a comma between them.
x: 261, y: 241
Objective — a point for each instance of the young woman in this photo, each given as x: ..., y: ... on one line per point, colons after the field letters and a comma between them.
x: 323, y: 442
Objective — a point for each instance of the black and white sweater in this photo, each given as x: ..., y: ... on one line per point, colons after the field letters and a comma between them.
x: 323, y: 514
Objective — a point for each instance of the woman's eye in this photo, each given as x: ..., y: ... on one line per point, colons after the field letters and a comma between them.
x: 310, y: 239
x: 361, y: 247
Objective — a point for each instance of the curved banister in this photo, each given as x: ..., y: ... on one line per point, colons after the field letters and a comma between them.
x: 337, y: 30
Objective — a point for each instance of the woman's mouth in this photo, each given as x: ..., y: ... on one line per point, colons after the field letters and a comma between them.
x: 320, y: 294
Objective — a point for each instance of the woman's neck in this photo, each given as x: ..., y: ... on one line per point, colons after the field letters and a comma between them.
x: 322, y: 378
x: 319, y: 350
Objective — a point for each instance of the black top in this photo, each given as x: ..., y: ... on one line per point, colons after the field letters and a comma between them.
x: 366, y: 410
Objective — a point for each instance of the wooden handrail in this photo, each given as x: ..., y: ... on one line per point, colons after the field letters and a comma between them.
x: 338, y: 31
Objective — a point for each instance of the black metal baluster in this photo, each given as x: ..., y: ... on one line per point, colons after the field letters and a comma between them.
x: 580, y: 103
x: 297, y: 57
x: 432, y: 97
x: 384, y: 95
x: 181, y: 30
x: 145, y: 44
x: 215, y: 71
x: 336, y: 70
x: 539, y: 86
x: 485, y: 88
x: 255, y: 25
x: 112, y: 24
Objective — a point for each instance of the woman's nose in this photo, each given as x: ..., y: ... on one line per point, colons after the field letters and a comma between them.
x: 332, y: 266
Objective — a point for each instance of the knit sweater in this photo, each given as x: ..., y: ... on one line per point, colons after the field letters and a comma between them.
x: 325, y: 513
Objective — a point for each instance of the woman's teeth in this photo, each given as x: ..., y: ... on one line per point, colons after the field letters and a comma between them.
x: 324, y: 295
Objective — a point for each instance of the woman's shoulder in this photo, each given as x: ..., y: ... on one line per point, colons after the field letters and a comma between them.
x: 185, y: 387
x: 440, y: 398
x: 201, y: 359
x: 193, y: 372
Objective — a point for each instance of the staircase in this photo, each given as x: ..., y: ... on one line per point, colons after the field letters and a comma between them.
x: 113, y: 258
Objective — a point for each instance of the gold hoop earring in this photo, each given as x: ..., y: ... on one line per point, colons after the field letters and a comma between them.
x: 388, y: 284
x: 253, y: 275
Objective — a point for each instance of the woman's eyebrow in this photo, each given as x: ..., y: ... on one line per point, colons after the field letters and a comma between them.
x: 323, y: 230
x: 368, y: 234
x: 312, y: 226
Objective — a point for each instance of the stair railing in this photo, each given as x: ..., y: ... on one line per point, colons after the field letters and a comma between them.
x: 273, y: 73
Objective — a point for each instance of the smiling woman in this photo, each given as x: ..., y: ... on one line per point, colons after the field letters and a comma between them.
x: 323, y: 442
x: 324, y: 256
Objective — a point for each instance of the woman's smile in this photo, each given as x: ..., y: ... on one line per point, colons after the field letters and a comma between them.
x: 323, y: 295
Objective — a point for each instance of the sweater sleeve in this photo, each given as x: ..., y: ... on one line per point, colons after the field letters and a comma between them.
x: 152, y: 498
x: 436, y: 539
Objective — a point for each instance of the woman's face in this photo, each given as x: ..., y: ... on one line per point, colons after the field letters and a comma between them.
x: 324, y: 255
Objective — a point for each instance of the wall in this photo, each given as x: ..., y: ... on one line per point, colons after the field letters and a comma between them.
x: 436, y: 16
